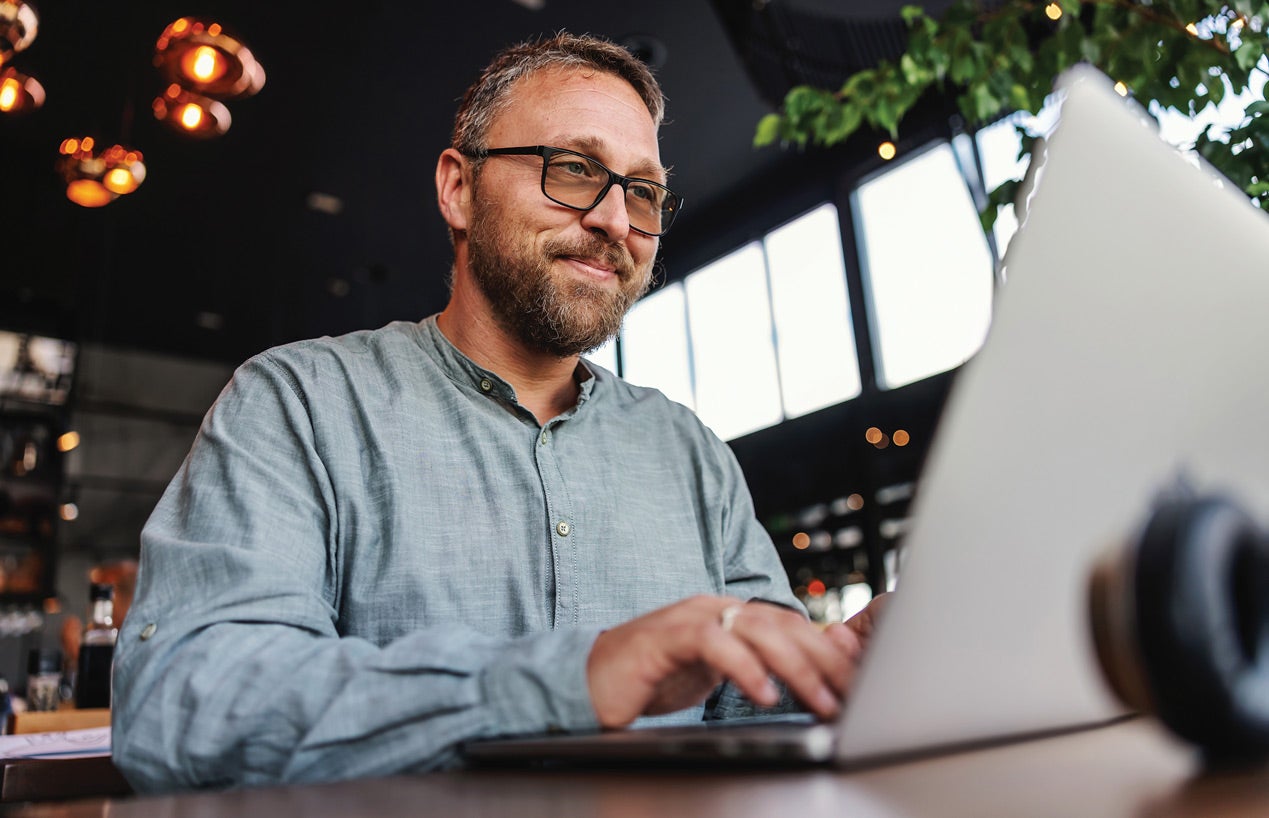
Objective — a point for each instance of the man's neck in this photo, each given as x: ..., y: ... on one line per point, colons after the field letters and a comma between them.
x: 544, y: 384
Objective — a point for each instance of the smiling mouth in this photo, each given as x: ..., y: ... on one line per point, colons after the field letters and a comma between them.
x: 593, y: 266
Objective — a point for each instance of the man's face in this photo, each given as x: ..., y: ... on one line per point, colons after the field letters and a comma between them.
x: 561, y: 279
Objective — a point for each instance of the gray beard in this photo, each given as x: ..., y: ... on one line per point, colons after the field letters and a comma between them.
x: 560, y: 318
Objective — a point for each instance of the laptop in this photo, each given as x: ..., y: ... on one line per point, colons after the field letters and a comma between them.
x: 1123, y: 356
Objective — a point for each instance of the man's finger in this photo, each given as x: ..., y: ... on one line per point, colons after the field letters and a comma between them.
x: 794, y: 650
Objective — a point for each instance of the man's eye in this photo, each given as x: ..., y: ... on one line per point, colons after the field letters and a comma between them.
x: 572, y: 167
x: 645, y: 193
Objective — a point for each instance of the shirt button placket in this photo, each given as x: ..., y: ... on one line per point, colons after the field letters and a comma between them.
x: 563, y: 543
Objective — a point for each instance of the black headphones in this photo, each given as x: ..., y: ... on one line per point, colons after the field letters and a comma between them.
x: 1180, y: 620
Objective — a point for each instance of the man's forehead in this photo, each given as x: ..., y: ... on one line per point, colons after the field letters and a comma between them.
x: 598, y: 148
x: 586, y: 110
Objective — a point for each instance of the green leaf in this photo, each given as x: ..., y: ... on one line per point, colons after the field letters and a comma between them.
x: 887, y: 115
x: 851, y: 118
x: 911, y: 14
x: 984, y: 103
x: 1020, y: 98
x: 1004, y: 194
x: 988, y: 217
x: 768, y: 130
x: 911, y: 71
x: 1248, y: 54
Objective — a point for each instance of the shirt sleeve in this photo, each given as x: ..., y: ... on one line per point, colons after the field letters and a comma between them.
x: 753, y: 569
x: 753, y: 572
x: 230, y: 668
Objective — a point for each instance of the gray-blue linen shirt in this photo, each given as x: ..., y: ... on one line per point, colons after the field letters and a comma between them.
x: 372, y: 553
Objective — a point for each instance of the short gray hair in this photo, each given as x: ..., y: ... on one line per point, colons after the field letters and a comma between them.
x: 491, y: 92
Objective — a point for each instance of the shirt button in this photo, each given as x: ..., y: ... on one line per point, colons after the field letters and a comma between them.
x: 545, y: 435
x: 485, y: 384
x: 563, y: 528
x: 148, y: 631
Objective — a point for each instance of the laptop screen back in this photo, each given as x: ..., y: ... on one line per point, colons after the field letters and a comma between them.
x: 1126, y: 351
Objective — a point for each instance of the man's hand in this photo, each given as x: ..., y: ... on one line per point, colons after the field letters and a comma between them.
x: 673, y: 657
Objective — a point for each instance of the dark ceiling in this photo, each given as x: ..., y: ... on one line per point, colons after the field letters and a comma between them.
x: 219, y: 254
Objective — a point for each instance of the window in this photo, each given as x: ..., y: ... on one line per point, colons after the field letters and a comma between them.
x: 815, y: 342
x: 605, y: 356
x: 927, y: 268
x: 998, y: 145
x: 729, y: 317
x: 762, y: 334
x: 654, y: 348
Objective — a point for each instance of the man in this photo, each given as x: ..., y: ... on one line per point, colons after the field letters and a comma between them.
x: 385, y: 544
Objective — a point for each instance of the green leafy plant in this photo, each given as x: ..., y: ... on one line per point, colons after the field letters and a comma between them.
x: 1000, y: 57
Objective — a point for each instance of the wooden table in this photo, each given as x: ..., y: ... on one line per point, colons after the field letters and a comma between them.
x: 1127, y: 769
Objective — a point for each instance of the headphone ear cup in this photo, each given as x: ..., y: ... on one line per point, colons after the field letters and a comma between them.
x: 1193, y: 625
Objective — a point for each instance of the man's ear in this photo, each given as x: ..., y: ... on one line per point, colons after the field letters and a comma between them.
x: 453, y: 188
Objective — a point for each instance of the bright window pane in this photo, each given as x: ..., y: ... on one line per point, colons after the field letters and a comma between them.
x: 736, y: 387
x: 605, y: 356
x: 816, y: 345
x: 998, y: 146
x: 927, y: 268
x: 654, y: 345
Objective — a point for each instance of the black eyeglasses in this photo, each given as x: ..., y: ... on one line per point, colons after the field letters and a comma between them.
x: 578, y: 181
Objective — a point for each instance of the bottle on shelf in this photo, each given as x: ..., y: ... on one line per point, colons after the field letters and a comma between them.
x: 43, y: 674
x: 96, y: 652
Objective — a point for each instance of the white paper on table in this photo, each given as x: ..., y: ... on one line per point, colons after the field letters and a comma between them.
x: 94, y: 741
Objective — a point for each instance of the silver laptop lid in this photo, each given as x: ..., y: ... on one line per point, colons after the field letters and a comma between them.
x: 1127, y: 347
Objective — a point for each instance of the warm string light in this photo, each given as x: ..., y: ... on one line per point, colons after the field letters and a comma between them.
x: 19, y: 92
x: 191, y: 113
x: 204, y: 66
x: 881, y: 440
x: 18, y: 27
x: 68, y: 441
x: 97, y: 179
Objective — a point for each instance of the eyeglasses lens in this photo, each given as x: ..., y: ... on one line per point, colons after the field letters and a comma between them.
x: 578, y: 181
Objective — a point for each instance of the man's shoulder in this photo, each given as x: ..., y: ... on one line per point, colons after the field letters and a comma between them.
x: 388, y: 338
x: 390, y: 353
x: 650, y: 407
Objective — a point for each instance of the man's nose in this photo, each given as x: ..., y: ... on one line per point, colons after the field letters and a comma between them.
x: 610, y: 216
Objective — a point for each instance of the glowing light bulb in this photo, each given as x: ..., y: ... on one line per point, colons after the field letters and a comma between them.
x: 120, y: 180
x: 887, y: 150
x: 1121, y: 89
x: 206, y: 64
x: 8, y: 94
x: 191, y: 116
x: 1053, y: 11
x: 68, y: 441
x: 87, y: 193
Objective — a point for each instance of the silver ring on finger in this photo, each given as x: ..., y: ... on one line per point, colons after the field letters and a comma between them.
x: 727, y: 619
